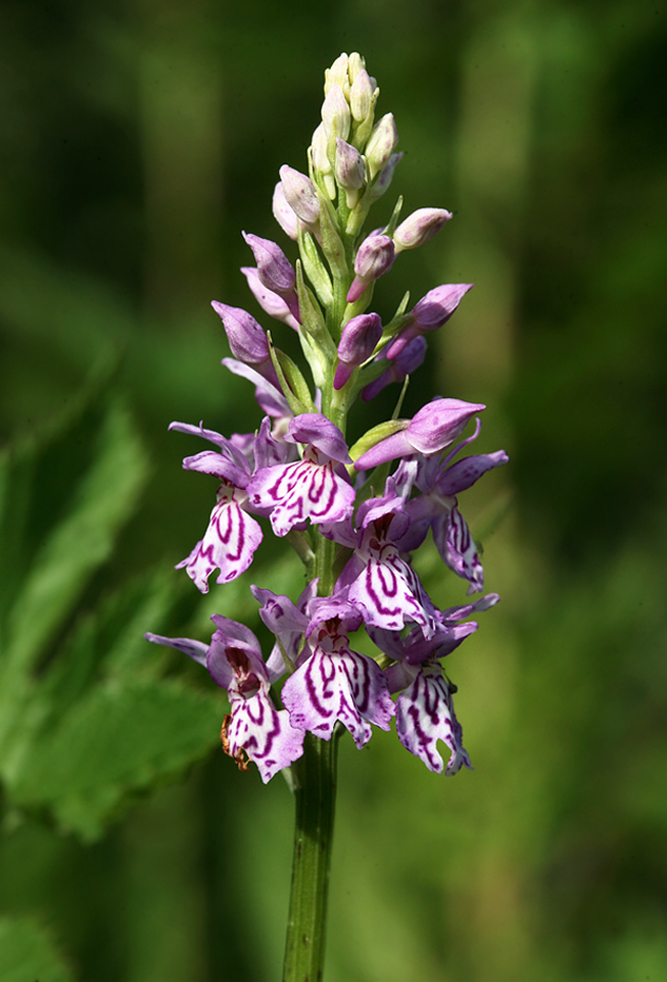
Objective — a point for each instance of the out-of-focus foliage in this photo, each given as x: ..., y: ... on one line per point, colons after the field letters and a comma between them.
x: 85, y: 717
x: 137, y: 140
x: 26, y: 952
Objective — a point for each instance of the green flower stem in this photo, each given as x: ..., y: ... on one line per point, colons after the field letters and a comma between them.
x: 315, y: 796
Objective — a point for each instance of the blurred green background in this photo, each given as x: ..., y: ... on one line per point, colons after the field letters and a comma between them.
x: 137, y: 139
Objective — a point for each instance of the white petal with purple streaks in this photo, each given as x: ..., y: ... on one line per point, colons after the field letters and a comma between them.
x: 424, y: 715
x: 389, y: 592
x: 229, y: 544
x: 300, y: 491
x: 338, y: 686
x: 457, y: 547
x: 264, y: 733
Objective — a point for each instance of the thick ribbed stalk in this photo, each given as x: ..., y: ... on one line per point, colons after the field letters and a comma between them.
x: 315, y: 797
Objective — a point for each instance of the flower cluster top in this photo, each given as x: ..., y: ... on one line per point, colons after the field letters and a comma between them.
x: 354, y: 514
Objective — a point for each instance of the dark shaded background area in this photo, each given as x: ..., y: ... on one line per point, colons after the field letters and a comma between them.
x: 137, y: 140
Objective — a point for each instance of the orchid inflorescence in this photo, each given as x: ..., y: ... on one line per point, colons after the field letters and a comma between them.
x: 324, y: 497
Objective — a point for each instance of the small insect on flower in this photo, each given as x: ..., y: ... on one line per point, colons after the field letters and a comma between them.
x: 240, y: 756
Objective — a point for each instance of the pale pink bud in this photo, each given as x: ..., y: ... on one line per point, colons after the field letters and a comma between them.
x: 381, y: 143
x: 284, y: 214
x: 274, y: 268
x: 246, y: 337
x: 419, y: 227
x: 361, y: 96
x: 272, y: 304
x: 300, y: 194
x: 431, y: 312
x: 319, y: 149
x: 337, y: 74
x: 355, y: 64
x: 350, y: 170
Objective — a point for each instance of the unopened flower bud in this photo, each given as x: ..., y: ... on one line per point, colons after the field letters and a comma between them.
x: 438, y: 305
x: 384, y: 177
x: 300, y: 194
x: 246, y: 337
x: 271, y: 303
x: 350, y: 169
x: 409, y: 360
x: 361, y: 96
x: 318, y: 146
x: 273, y: 267
x: 336, y: 114
x: 284, y: 214
x: 434, y: 427
x: 355, y: 64
x: 419, y: 227
x: 374, y: 257
x: 358, y: 340
x: 337, y: 74
x: 381, y: 144
x: 431, y: 312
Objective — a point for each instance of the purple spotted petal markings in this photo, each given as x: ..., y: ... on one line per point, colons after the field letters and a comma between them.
x: 377, y: 580
x: 337, y: 685
x: 316, y: 488
x: 232, y: 536
x: 437, y: 507
x: 425, y: 714
x: 354, y: 495
x: 229, y: 543
x: 254, y: 730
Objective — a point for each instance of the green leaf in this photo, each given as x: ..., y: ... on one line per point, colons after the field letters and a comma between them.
x: 121, y: 739
x: 28, y: 955
x: 105, y: 498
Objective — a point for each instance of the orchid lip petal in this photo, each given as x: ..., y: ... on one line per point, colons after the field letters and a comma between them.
x: 302, y: 491
x: 424, y: 715
x: 341, y: 686
x: 264, y: 733
x: 229, y: 544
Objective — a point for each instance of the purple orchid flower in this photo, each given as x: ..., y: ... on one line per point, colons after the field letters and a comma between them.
x: 316, y: 488
x: 254, y: 730
x: 377, y: 579
x: 413, y: 649
x: 331, y: 683
x: 425, y: 710
x: 232, y: 536
x: 434, y: 427
x: 437, y: 508
x: 410, y: 358
x: 431, y: 312
x: 425, y: 714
